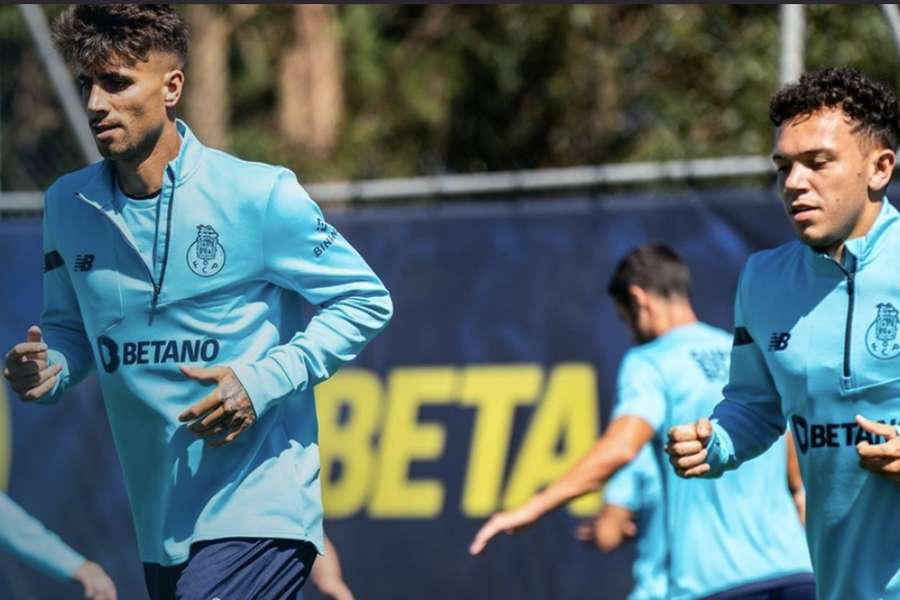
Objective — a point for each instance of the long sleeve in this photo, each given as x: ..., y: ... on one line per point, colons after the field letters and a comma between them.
x: 25, y: 537
x: 61, y: 317
x: 305, y: 254
x: 749, y: 418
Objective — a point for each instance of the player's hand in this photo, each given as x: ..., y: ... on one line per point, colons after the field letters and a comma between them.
x: 96, y: 583
x: 26, y: 367
x: 334, y: 589
x: 509, y: 522
x: 881, y: 459
x: 687, y: 448
x: 608, y: 530
x: 225, y: 413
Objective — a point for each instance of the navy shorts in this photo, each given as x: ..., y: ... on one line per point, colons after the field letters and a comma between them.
x: 235, y: 569
x: 793, y: 587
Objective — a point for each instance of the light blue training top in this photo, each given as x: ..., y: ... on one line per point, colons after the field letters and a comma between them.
x: 234, y: 238
x: 816, y: 343
x: 25, y: 537
x: 721, y: 533
x: 638, y: 487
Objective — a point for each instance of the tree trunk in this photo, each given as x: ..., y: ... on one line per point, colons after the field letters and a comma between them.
x: 207, y: 104
x: 311, y: 79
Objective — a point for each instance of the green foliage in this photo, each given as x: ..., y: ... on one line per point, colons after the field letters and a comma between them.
x: 432, y: 89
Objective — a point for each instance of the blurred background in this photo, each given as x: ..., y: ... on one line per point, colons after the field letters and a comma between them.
x: 492, y: 163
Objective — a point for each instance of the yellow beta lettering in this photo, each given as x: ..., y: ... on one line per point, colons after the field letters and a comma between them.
x: 404, y: 439
x: 495, y: 391
x: 349, y: 443
x: 567, y: 414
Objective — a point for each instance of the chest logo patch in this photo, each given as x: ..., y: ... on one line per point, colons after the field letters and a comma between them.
x: 881, y: 336
x: 206, y: 256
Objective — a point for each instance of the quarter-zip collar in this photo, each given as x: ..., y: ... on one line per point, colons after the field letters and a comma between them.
x: 99, y: 190
x: 865, y: 248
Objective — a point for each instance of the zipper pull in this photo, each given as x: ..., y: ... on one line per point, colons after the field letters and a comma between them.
x: 154, y: 301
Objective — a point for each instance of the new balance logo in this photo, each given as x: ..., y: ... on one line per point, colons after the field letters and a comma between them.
x: 779, y: 341
x: 84, y: 262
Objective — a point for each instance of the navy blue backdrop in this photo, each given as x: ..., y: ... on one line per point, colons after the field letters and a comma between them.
x: 474, y: 284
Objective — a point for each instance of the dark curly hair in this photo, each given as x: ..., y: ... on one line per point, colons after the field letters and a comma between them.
x: 870, y: 103
x: 652, y: 267
x: 90, y: 35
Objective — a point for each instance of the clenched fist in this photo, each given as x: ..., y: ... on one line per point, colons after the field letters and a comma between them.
x: 26, y: 367
x: 687, y: 448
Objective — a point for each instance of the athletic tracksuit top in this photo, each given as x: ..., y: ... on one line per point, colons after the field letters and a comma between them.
x: 25, y: 537
x: 816, y: 342
x: 724, y: 533
x: 231, y: 238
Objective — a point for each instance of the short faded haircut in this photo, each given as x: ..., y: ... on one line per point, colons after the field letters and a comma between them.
x: 92, y: 35
x: 654, y: 268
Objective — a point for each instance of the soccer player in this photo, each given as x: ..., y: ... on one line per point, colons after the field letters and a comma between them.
x: 726, y: 538
x: 816, y: 334
x: 25, y: 537
x: 633, y: 508
x: 165, y: 267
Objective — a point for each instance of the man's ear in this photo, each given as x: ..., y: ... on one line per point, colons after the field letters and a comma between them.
x: 638, y: 296
x: 174, y: 82
x: 884, y: 160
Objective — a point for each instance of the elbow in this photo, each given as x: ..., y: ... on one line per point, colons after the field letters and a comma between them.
x: 625, y: 455
x: 384, y: 309
x: 388, y: 307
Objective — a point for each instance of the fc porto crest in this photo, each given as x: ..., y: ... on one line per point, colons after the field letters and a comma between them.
x: 881, y: 336
x: 206, y: 256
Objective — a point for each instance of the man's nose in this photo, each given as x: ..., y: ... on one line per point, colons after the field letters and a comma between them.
x: 95, y: 100
x: 796, y: 178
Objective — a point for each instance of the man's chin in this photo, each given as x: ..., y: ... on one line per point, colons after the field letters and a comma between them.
x: 111, y: 152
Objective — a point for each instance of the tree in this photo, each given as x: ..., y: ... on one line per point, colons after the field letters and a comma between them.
x: 310, y: 80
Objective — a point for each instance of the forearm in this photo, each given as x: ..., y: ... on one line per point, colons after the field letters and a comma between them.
x: 24, y: 536
x: 333, y: 337
x: 588, y: 475
x: 740, y: 433
x: 620, y: 444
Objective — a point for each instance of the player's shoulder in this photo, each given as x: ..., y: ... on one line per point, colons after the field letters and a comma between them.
x: 66, y: 186
x: 711, y: 335
x: 775, y: 261
x: 228, y: 167
x: 76, y: 180
x: 643, y: 359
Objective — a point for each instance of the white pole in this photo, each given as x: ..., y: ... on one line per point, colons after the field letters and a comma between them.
x: 61, y: 79
x: 793, y: 31
x: 893, y: 16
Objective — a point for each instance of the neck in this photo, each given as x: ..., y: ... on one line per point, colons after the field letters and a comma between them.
x: 861, y: 228
x: 673, y: 314
x: 142, y: 174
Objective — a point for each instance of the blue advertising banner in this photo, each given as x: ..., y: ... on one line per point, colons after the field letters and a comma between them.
x: 495, y: 375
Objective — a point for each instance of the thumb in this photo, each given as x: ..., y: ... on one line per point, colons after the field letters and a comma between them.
x: 704, y: 430
x: 34, y: 334
x: 629, y: 529
x: 886, y: 431
x: 199, y: 373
